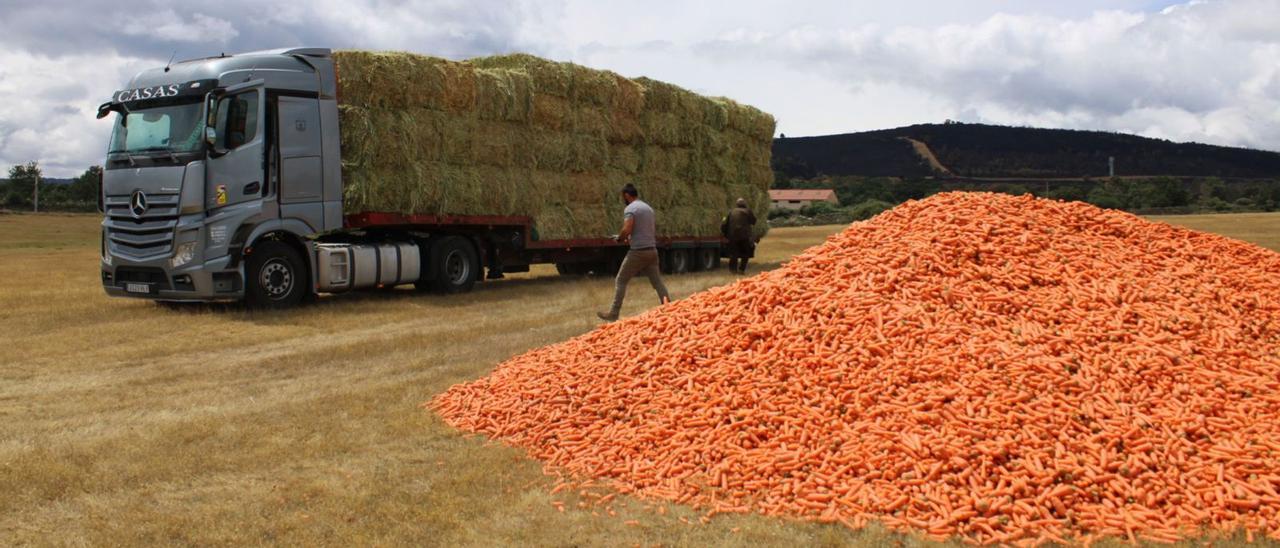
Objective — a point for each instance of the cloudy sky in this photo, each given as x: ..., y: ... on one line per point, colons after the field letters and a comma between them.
x: 1205, y: 71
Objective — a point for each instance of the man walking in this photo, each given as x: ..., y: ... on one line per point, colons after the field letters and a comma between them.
x: 737, y: 228
x: 639, y: 228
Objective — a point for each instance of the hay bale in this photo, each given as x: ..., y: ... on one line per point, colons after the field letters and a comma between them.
x: 660, y: 128
x: 503, y: 95
x: 591, y: 121
x: 518, y: 135
x: 548, y: 78
x: 624, y: 128
x: 551, y: 112
x: 624, y: 158
x: 748, y: 120
x: 378, y: 79
x: 552, y: 151
x: 630, y: 99
x: 590, y: 154
x: 498, y: 144
x: 565, y: 80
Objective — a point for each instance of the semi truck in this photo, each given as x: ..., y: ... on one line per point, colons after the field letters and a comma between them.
x: 223, y: 181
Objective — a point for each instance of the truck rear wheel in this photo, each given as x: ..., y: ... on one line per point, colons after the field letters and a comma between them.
x: 276, y: 276
x: 708, y: 259
x: 679, y: 261
x: 454, y: 265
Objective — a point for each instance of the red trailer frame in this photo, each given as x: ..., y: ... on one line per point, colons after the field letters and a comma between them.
x: 525, y: 224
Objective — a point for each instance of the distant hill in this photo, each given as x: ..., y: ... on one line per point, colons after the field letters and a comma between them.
x: 979, y: 150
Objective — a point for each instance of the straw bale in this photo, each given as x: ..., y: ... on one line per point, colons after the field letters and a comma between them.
x: 503, y: 95
x: 518, y: 135
x: 379, y: 79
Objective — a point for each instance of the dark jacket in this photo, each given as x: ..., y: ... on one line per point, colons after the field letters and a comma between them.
x: 738, y: 224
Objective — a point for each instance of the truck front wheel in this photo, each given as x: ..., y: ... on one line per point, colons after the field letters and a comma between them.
x: 454, y: 265
x: 276, y: 276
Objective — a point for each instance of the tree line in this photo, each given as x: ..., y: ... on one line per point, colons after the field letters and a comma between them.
x: 18, y: 191
x: 862, y: 197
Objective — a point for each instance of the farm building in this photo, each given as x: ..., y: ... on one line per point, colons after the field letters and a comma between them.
x: 789, y: 198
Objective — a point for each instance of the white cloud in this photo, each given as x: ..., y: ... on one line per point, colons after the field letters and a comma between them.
x: 1205, y: 70
x: 167, y: 25
x: 50, y: 105
x: 57, y: 64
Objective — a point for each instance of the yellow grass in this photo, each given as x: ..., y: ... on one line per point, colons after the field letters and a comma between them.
x: 124, y: 422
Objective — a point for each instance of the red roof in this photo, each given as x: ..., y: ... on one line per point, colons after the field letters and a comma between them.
x: 789, y: 194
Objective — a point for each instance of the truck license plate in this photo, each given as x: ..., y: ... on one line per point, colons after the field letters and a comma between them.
x: 137, y: 288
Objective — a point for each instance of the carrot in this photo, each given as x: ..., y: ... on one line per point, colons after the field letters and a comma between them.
x: 1002, y: 369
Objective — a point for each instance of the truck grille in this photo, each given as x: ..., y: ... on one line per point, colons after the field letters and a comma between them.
x: 148, y: 235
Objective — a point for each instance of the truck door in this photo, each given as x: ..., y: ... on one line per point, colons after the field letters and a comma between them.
x: 236, y: 170
x: 301, y: 171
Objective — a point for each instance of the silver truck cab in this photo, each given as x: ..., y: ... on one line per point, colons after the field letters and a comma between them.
x: 212, y: 159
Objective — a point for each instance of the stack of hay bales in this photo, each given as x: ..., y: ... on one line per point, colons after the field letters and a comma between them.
x: 523, y: 136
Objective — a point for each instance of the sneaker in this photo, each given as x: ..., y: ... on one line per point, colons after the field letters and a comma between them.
x: 607, y: 316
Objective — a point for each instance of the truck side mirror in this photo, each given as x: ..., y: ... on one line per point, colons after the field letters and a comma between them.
x: 213, y: 102
x: 211, y: 137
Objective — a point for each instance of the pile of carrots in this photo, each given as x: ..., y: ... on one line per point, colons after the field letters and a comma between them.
x: 997, y: 368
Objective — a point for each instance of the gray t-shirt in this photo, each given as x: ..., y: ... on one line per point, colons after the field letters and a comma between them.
x: 643, y: 233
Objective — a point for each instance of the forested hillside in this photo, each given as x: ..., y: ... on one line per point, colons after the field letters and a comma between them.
x: 979, y: 150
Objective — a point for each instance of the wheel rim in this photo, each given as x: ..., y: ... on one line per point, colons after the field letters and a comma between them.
x: 276, y: 279
x: 708, y: 259
x: 457, y: 267
x: 680, y: 261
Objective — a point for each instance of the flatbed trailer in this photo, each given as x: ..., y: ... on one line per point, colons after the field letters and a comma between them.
x: 510, y: 244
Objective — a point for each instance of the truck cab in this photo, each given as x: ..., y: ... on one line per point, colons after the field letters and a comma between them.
x: 218, y: 172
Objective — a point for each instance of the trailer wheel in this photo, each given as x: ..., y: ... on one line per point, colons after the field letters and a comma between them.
x: 679, y: 261
x: 276, y: 276
x: 708, y: 259
x: 573, y: 269
x: 455, y: 265
x: 609, y: 267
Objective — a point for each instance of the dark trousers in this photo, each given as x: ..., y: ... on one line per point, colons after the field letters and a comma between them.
x: 739, y: 252
x: 637, y: 262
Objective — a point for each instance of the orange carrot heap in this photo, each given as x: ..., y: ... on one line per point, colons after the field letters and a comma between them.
x: 994, y: 367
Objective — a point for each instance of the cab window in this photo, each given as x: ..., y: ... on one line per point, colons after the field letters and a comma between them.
x: 238, y: 119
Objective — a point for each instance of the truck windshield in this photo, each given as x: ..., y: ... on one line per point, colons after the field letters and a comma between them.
x: 164, y: 129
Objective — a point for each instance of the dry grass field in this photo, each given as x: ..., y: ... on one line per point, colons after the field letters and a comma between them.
x: 124, y: 422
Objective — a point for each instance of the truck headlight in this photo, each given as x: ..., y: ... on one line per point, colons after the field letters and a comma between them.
x: 106, y: 250
x: 183, y: 254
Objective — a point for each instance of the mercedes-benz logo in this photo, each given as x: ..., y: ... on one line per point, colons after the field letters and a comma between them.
x: 138, y: 204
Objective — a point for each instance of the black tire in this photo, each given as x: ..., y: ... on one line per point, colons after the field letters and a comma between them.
x: 680, y: 261
x: 275, y: 276
x: 708, y: 259
x: 573, y: 269
x: 609, y: 267
x: 454, y: 265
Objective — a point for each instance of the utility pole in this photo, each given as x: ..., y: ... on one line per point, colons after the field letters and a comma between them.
x: 37, y: 200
